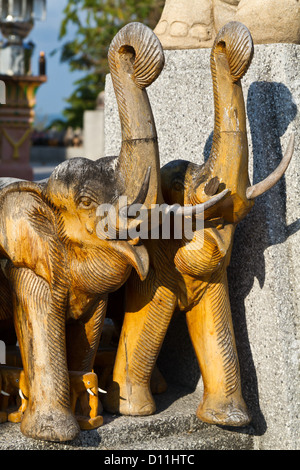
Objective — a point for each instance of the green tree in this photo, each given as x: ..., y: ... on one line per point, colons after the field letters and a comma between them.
x: 96, y: 23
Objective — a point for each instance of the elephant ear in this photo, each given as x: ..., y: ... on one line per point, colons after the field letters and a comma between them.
x: 27, y: 227
x: 203, y: 254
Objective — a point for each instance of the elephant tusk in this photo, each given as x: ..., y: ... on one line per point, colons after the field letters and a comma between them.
x: 263, y: 186
x: 5, y: 393
x: 140, y: 199
x: 188, y: 211
x: 101, y: 391
x: 166, y: 209
x: 22, y: 395
x: 90, y: 392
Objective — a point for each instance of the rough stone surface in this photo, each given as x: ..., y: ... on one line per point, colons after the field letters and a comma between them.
x: 173, y: 427
x: 265, y: 267
x: 93, y: 134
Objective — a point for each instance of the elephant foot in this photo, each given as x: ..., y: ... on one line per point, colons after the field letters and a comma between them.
x: 56, y: 426
x: 229, y: 412
x: 3, y: 416
x: 157, y: 382
x: 130, y: 400
x: 86, y: 423
x: 15, y: 416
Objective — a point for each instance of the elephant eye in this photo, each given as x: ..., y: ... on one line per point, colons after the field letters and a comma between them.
x: 86, y: 202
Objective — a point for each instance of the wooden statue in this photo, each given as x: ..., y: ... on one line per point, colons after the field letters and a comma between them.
x: 84, y: 389
x: 191, y: 274
x: 56, y: 271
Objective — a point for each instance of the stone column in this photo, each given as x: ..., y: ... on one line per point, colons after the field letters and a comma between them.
x: 16, y: 119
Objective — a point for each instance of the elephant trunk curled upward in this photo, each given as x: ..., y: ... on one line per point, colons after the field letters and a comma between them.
x: 191, y: 273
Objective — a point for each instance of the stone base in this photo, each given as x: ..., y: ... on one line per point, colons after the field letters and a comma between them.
x: 173, y: 427
x: 265, y: 268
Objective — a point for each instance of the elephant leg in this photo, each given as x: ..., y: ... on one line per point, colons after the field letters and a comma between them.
x: 93, y: 404
x: 4, y: 402
x: 145, y: 324
x: 115, y: 311
x: 39, y: 317
x: 91, y: 420
x: 211, y: 332
x: 83, y: 338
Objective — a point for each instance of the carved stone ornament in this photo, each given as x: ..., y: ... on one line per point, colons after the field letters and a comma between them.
x: 57, y: 270
x: 191, y: 24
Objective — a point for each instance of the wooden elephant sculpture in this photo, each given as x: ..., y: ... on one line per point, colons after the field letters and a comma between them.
x: 84, y: 392
x: 191, y: 273
x: 55, y: 268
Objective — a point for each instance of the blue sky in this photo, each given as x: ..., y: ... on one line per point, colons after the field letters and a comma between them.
x: 51, y: 95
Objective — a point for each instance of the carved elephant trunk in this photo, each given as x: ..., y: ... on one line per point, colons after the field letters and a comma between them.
x: 136, y: 59
x: 227, y: 166
x: 231, y: 56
